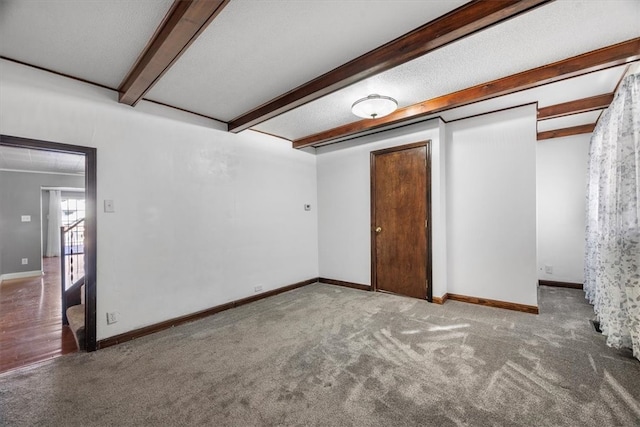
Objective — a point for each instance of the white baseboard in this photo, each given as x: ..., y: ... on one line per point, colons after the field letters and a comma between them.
x: 21, y: 275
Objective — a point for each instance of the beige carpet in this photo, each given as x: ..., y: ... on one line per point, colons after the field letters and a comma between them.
x: 331, y: 356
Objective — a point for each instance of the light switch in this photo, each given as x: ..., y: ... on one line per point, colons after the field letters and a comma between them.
x: 108, y: 206
x: 307, y: 207
x: 25, y: 218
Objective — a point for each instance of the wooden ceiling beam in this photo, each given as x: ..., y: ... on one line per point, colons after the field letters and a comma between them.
x: 575, y: 107
x: 457, y: 24
x: 184, y: 22
x: 596, y: 60
x: 559, y: 133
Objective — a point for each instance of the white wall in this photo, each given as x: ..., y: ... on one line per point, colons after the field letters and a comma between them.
x: 202, y: 215
x: 344, y: 212
x: 491, y: 206
x: 562, y: 181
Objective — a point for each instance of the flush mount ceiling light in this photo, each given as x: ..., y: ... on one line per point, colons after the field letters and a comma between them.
x: 374, y: 106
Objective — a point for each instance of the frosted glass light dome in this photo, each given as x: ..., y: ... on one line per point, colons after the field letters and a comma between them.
x: 374, y: 106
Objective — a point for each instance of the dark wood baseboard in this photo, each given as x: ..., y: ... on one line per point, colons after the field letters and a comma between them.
x: 344, y: 284
x: 571, y: 285
x: 494, y: 303
x: 440, y: 300
x: 137, y: 333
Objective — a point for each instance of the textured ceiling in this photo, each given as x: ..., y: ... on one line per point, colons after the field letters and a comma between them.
x: 97, y: 41
x: 550, y: 33
x: 254, y: 51
x: 585, y: 86
x: 23, y: 159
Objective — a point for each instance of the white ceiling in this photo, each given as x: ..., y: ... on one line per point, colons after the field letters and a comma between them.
x: 254, y: 51
x: 97, y: 41
x: 585, y: 86
x: 257, y: 50
x: 23, y: 159
x: 550, y: 33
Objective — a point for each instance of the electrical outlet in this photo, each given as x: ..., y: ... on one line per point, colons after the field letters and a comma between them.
x: 25, y: 261
x: 257, y: 288
x: 112, y: 317
x: 548, y: 269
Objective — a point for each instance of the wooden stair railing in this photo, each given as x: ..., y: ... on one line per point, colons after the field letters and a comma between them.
x: 71, y: 265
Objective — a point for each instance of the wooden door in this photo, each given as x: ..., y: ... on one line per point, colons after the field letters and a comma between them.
x: 400, y: 210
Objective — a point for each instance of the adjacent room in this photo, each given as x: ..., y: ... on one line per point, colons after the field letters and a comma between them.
x: 43, y: 212
x: 242, y: 212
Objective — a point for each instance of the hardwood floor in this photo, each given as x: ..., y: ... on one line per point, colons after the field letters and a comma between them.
x: 30, y: 320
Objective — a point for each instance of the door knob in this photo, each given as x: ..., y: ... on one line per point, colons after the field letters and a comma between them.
x: 378, y: 229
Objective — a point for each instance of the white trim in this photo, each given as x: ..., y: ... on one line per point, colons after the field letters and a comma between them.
x: 46, y: 173
x: 21, y: 275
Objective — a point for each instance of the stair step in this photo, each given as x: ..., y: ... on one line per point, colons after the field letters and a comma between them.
x: 75, y: 316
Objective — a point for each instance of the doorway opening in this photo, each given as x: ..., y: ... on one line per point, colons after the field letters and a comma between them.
x: 85, y: 245
x: 401, y: 220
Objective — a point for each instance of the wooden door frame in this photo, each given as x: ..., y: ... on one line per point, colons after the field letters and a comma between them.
x: 90, y: 221
x: 427, y: 229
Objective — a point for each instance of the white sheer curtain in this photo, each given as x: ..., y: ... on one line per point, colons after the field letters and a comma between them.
x: 54, y: 224
x: 612, y: 262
